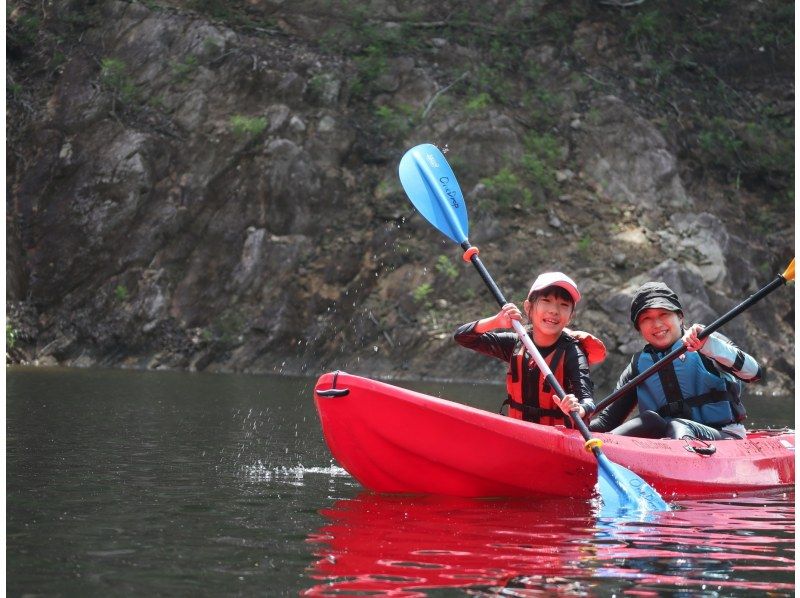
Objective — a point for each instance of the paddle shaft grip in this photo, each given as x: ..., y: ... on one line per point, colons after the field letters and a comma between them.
x: 528, y: 343
x: 707, y: 331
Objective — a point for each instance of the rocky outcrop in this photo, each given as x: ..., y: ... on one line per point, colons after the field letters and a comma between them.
x: 185, y: 192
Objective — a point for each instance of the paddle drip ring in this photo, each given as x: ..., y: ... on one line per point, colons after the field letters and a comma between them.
x: 592, y: 443
x: 469, y: 253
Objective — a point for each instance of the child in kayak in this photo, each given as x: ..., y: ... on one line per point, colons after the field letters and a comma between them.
x: 697, y: 395
x: 549, y: 307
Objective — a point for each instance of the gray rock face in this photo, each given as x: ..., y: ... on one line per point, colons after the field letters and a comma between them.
x: 630, y: 159
x: 700, y: 240
x: 186, y: 193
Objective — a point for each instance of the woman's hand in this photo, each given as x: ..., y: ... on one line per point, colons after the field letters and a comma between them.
x: 569, y: 405
x: 690, y: 340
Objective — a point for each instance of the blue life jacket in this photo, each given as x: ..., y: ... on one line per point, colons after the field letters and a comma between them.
x: 691, y: 387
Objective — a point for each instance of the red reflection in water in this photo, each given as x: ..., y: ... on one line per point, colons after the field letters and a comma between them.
x: 401, y: 546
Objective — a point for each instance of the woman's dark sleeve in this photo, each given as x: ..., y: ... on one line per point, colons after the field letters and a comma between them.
x: 616, y: 413
x: 577, y: 380
x: 495, y: 344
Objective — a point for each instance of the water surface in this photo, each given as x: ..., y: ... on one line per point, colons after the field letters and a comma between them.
x: 163, y: 483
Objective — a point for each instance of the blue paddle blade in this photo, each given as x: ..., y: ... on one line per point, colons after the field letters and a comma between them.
x: 623, y: 490
x: 432, y: 187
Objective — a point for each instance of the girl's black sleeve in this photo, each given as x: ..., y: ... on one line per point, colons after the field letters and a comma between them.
x: 495, y: 344
x: 577, y: 380
x: 616, y: 413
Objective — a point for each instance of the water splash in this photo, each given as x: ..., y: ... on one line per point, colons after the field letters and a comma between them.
x: 294, y: 476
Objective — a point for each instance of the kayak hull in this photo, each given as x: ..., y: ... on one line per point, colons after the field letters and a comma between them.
x: 394, y: 440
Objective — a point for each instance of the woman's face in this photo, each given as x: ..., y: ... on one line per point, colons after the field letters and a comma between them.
x: 660, y: 327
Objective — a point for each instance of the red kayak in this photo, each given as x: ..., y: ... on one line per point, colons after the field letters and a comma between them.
x: 395, y: 440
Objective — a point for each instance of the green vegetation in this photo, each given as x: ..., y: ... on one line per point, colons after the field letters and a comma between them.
x: 492, y: 80
x: 183, y: 71
x: 507, y: 189
x: 248, y: 126
x: 543, y: 154
x: 536, y: 171
x: 114, y: 77
x: 755, y: 150
x: 395, y: 122
x: 647, y: 30
x: 692, y: 60
x: 219, y: 9
x: 317, y: 84
x: 231, y: 13
x: 157, y: 102
x: 369, y: 44
x: 371, y: 64
x: 23, y: 30
x: 445, y: 266
x: 121, y: 293
x: 11, y: 336
x: 719, y: 142
x: 422, y: 293
x: 585, y: 244
x: 479, y: 102
x: 229, y: 327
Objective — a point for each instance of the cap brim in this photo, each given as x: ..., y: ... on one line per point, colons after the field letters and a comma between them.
x: 657, y: 303
x: 573, y: 292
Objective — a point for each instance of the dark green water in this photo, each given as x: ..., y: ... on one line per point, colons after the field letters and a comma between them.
x: 175, y: 484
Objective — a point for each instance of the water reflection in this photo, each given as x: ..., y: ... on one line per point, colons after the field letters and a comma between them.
x: 408, y: 546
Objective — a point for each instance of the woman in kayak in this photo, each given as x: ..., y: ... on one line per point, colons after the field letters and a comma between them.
x: 697, y: 395
x: 549, y: 307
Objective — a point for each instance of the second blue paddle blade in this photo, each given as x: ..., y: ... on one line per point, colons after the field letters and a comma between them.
x: 621, y: 489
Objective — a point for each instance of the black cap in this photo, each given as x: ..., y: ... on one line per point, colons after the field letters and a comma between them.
x: 653, y: 295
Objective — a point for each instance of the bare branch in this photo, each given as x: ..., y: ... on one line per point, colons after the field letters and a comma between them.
x: 622, y: 3
x: 440, y: 92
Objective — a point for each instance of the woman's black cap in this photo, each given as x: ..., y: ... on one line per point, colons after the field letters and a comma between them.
x: 653, y: 295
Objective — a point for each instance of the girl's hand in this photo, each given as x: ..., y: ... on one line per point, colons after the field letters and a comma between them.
x: 507, y: 314
x: 569, y: 405
x: 690, y: 340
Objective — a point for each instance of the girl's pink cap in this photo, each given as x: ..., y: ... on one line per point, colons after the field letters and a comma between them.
x: 556, y: 279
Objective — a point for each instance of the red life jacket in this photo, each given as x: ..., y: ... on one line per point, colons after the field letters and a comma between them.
x: 540, y: 407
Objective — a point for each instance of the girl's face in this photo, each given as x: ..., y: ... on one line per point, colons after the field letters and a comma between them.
x: 549, y: 315
x: 660, y: 327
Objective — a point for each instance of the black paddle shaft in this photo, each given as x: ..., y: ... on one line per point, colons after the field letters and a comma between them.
x: 487, y: 278
x: 501, y: 300
x: 670, y: 357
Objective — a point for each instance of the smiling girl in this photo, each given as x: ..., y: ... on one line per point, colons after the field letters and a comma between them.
x: 549, y: 308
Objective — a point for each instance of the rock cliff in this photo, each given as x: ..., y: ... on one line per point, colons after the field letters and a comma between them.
x: 213, y: 186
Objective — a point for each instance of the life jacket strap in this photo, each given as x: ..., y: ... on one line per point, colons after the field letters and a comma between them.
x: 531, y: 411
x: 683, y: 407
x: 558, y: 353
